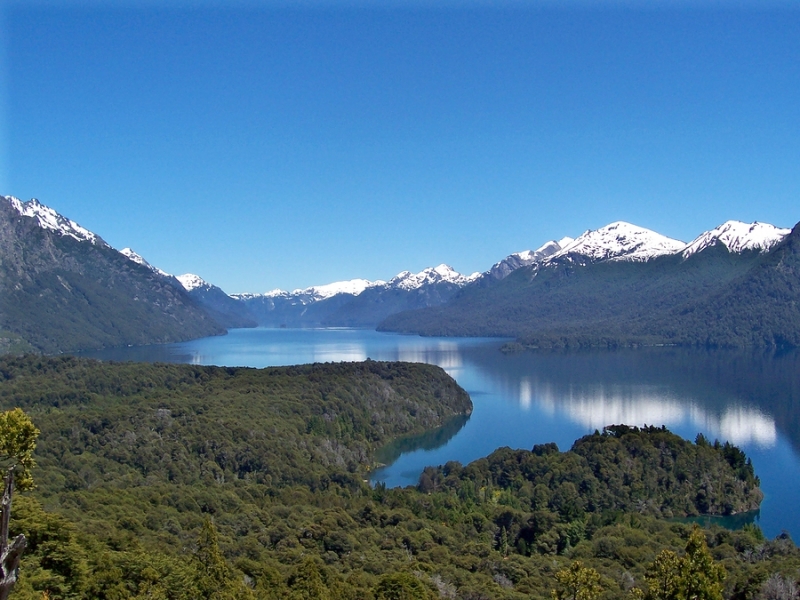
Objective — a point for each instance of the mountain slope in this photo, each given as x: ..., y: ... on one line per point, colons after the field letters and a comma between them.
x: 594, y: 298
x: 227, y: 311
x: 760, y: 308
x: 63, y: 288
x: 512, y: 262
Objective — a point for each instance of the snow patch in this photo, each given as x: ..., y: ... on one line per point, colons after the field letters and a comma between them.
x: 138, y: 259
x: 49, y: 219
x: 432, y: 275
x: 190, y: 282
x: 738, y: 237
x: 620, y: 241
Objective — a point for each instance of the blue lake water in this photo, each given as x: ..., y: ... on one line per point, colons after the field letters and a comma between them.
x: 750, y: 398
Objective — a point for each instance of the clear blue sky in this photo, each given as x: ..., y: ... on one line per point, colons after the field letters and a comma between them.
x: 262, y: 146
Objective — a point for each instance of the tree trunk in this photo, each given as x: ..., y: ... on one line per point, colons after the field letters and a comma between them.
x: 9, y: 555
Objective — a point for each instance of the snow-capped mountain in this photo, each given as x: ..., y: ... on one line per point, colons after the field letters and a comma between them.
x: 191, y: 282
x: 405, y: 280
x: 512, y: 262
x: 443, y: 273
x: 138, y: 259
x: 49, y: 219
x: 619, y: 241
x: 65, y: 289
x: 357, y: 302
x: 738, y: 237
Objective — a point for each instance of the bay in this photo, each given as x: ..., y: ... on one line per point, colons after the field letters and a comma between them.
x: 750, y: 398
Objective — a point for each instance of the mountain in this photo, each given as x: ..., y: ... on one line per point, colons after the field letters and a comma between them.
x: 406, y: 291
x: 138, y: 259
x: 759, y: 308
x: 618, y: 241
x: 737, y: 237
x: 358, y: 302
x: 624, y: 285
x: 227, y: 311
x: 512, y: 262
x: 62, y: 288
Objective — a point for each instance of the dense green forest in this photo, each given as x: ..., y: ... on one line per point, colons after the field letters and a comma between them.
x: 180, y: 481
x: 714, y: 298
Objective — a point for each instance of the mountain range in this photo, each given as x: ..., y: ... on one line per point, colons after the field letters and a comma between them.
x: 736, y: 285
x: 63, y: 288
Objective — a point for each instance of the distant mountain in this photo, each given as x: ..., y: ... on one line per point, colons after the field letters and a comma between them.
x: 355, y: 303
x: 618, y: 241
x: 759, y: 308
x: 624, y: 285
x: 63, y: 288
x: 511, y: 263
x: 737, y: 237
x: 227, y: 311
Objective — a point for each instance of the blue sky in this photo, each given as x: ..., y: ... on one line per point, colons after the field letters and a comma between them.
x: 262, y: 146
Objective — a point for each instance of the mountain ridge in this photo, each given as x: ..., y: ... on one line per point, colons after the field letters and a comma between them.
x: 667, y: 299
x: 64, y: 290
x: 563, y: 293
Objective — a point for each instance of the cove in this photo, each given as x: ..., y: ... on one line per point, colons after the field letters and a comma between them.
x: 750, y: 398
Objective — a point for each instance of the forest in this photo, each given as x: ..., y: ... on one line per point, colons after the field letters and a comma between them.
x: 182, y: 481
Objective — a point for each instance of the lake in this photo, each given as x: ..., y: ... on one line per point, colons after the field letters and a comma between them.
x: 750, y: 398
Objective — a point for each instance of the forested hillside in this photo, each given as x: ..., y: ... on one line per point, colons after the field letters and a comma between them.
x: 178, y: 481
x: 713, y: 298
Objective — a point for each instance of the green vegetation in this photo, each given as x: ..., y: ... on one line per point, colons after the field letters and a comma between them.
x: 178, y: 481
x: 715, y: 299
x: 17, y: 442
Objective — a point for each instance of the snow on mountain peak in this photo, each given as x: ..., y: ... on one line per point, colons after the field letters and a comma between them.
x: 353, y: 287
x: 138, y: 259
x: 514, y: 261
x: 407, y: 280
x: 620, y: 241
x: 737, y: 237
x: 190, y: 281
x: 49, y: 219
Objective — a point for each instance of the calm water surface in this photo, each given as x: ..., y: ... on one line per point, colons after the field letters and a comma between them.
x: 749, y: 398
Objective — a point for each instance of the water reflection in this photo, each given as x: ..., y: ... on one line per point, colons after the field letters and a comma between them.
x: 742, y: 397
x: 595, y: 406
x: 430, y: 440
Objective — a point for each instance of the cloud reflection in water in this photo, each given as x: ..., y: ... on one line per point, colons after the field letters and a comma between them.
x: 595, y: 406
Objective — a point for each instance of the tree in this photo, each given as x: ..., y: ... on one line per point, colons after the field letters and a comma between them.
x: 578, y: 583
x: 663, y: 576
x: 701, y: 576
x: 17, y: 441
x: 401, y: 586
x: 216, y: 580
x: 693, y: 576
